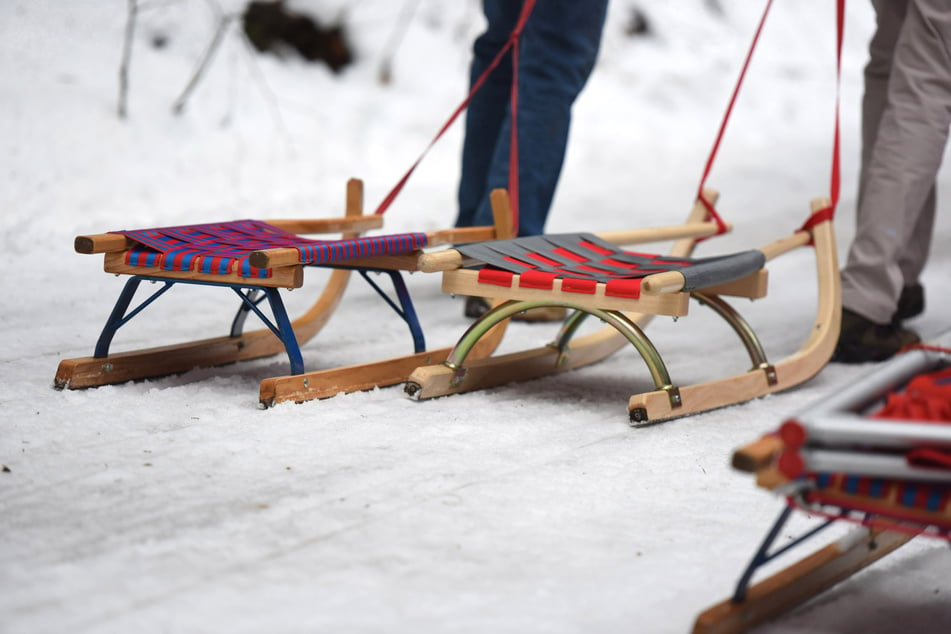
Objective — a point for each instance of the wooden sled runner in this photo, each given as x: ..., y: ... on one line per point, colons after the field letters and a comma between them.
x: 626, y: 302
x: 256, y: 277
x: 843, y: 461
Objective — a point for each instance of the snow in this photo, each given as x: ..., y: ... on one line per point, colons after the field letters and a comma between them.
x: 177, y: 505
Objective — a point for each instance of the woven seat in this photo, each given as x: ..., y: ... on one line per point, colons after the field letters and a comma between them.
x: 226, y: 247
x: 582, y: 260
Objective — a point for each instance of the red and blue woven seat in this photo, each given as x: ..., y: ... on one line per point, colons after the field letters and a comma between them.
x: 214, y: 248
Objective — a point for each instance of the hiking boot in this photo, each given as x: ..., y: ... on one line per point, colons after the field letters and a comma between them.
x: 478, y: 306
x: 911, y: 303
x: 862, y: 340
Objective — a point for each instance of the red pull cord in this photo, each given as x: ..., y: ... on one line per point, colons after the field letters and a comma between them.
x: 511, y: 44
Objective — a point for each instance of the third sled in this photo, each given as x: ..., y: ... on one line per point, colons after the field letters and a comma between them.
x: 877, y: 455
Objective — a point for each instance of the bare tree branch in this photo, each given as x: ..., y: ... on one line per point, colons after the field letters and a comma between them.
x: 133, y: 10
x: 396, y: 37
x: 224, y: 21
x: 261, y: 81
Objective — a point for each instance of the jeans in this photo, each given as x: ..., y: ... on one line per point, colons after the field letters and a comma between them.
x: 559, y: 47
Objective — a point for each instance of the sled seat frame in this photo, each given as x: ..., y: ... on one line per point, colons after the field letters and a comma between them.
x: 663, y: 293
x: 285, y: 267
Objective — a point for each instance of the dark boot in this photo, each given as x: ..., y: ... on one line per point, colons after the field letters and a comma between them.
x: 911, y: 303
x: 476, y: 307
x: 862, y: 340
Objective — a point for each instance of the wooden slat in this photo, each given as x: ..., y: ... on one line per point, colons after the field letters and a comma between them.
x: 466, y: 282
x: 660, y: 234
x: 328, y: 225
x: 285, y: 277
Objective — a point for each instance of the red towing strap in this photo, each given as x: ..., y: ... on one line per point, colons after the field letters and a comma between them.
x: 511, y: 44
x: 721, y: 226
x: 836, y: 176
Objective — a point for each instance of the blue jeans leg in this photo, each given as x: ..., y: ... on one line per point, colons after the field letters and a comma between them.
x: 558, y: 50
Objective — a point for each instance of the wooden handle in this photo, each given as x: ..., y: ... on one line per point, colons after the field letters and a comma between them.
x: 274, y: 258
x: 666, y: 282
x: 757, y: 455
x: 328, y: 225
x: 446, y: 260
x: 659, y: 234
x: 101, y: 243
x: 460, y: 235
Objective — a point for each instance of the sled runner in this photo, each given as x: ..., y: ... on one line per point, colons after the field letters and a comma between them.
x: 877, y: 454
x: 256, y: 259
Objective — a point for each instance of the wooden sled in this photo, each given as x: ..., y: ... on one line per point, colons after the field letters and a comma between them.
x: 665, y: 293
x: 837, y: 463
x: 281, y: 335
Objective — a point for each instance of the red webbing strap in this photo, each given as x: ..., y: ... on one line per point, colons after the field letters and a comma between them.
x: 926, y: 397
x: 513, y: 44
x: 721, y: 226
x: 836, y: 177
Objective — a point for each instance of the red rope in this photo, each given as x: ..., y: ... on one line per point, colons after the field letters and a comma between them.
x: 835, y: 178
x: 721, y: 226
x: 511, y: 44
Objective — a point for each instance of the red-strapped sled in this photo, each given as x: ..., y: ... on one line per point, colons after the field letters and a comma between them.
x: 591, y: 275
x: 877, y: 454
x: 624, y: 289
x: 256, y: 259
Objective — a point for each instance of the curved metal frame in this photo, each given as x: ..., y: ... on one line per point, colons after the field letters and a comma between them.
x: 742, y: 328
x: 613, y: 318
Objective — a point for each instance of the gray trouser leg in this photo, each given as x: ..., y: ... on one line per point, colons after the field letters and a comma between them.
x: 908, y: 94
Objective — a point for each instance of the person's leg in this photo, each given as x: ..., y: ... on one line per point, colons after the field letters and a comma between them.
x: 488, y: 107
x: 890, y: 14
x: 559, y: 48
x: 900, y: 172
x: 903, y: 162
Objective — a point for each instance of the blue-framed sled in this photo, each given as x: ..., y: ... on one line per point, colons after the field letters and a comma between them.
x: 847, y: 458
x: 256, y: 260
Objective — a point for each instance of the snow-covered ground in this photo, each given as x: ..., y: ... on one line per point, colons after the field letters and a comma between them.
x: 176, y: 505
